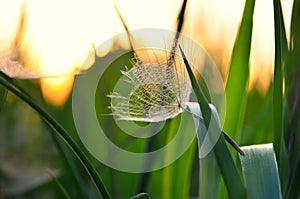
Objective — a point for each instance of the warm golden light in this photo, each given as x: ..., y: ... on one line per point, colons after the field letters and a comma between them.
x: 150, y: 14
x: 9, y: 21
x: 214, y: 24
x: 59, y: 32
x: 59, y: 39
x: 59, y: 36
x: 56, y: 90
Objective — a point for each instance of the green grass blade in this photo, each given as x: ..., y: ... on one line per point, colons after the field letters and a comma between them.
x: 229, y: 170
x: 59, y: 130
x: 280, y: 50
x: 209, y: 172
x: 239, y: 73
x: 3, y: 95
x: 261, y: 172
x: 278, y: 98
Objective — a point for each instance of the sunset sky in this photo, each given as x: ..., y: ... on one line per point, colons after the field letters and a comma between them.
x: 58, y: 35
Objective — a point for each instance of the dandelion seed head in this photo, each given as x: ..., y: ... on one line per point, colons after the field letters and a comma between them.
x: 160, y: 88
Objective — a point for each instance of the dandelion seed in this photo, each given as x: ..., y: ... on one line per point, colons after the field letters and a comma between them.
x: 160, y: 89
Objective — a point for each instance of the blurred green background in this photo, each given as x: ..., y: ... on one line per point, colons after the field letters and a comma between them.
x: 36, y: 164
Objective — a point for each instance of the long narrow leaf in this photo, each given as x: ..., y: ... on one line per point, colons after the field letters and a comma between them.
x: 18, y: 91
x: 278, y: 106
x: 231, y: 175
x: 209, y: 172
x: 280, y: 48
x: 261, y: 172
x: 239, y: 73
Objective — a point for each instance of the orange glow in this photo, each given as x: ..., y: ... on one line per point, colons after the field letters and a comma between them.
x: 56, y: 90
x: 58, y: 35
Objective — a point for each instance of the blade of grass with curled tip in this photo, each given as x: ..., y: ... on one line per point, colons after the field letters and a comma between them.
x: 209, y: 172
x: 261, y: 172
x: 239, y: 72
x: 59, y: 130
x: 231, y: 175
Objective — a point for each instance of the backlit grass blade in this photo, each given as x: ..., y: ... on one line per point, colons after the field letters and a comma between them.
x: 229, y: 170
x: 59, y: 131
x: 278, y: 97
x: 280, y: 50
x: 261, y: 172
x: 239, y: 73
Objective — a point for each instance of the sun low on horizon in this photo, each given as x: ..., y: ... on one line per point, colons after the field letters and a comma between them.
x: 59, y: 37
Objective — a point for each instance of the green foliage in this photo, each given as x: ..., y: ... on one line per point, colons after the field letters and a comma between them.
x: 238, y: 76
x: 58, y: 130
x: 261, y: 172
x: 250, y: 118
x: 225, y: 160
